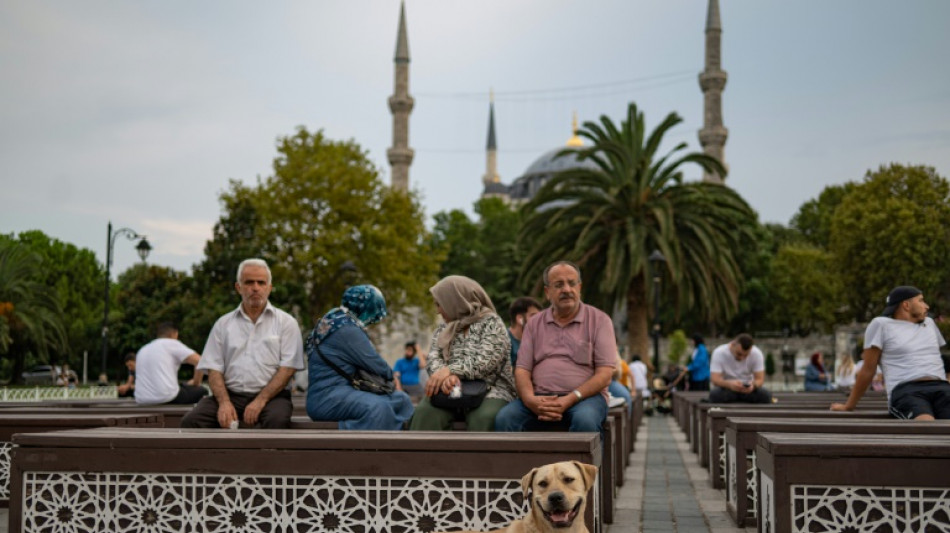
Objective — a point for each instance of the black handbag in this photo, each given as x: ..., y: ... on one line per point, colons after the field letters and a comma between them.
x: 363, y: 380
x: 473, y: 392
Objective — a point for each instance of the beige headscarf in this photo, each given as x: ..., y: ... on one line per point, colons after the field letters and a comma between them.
x: 464, y: 302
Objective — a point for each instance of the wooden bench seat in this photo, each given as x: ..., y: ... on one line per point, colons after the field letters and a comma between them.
x: 742, y: 433
x: 105, y: 479
x: 714, y: 448
x: 11, y: 424
x: 836, y: 482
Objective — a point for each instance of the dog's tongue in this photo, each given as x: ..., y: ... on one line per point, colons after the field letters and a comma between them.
x: 562, y: 516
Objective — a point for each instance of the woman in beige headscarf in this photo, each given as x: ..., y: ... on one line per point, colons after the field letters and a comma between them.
x: 472, y: 343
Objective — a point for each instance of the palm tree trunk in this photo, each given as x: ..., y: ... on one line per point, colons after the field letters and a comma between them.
x: 638, y: 333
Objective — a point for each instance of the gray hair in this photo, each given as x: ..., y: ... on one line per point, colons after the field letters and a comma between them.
x: 253, y: 262
x: 547, y: 270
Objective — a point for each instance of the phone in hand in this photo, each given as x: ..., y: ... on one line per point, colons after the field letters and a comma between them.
x: 746, y: 384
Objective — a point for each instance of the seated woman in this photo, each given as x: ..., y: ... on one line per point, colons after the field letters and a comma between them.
x: 816, y: 379
x: 471, y: 344
x: 341, y: 337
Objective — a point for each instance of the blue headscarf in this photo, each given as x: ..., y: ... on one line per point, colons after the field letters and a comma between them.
x: 362, y: 305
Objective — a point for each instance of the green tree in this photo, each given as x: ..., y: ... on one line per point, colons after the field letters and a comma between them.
x: 31, y: 311
x: 813, y: 219
x: 484, y: 250
x: 678, y: 346
x: 892, y: 229
x: 324, y: 206
x: 77, y: 278
x: 806, y: 293
x: 610, y: 218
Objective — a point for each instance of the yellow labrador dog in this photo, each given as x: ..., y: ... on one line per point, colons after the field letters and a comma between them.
x: 558, y: 496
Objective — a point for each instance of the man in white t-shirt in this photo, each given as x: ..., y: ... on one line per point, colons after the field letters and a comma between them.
x: 639, y: 372
x: 737, y: 372
x: 906, y: 343
x: 156, y: 370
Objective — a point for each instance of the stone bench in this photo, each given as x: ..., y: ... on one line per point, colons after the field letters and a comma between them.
x: 169, y: 479
x: 11, y: 424
x: 717, y: 418
x: 741, y: 435
x: 836, y: 482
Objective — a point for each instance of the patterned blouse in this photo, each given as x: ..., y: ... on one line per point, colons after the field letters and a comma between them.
x: 481, y: 353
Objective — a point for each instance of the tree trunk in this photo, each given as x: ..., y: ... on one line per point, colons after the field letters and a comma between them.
x: 638, y: 331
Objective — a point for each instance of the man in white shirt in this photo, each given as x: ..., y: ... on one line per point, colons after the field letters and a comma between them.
x: 251, y: 355
x: 639, y: 372
x: 157, y: 365
x: 737, y: 372
x: 906, y: 343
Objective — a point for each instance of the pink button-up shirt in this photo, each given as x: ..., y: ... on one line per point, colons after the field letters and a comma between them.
x: 560, y: 359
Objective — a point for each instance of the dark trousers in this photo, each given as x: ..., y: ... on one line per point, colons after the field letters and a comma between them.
x: 189, y: 394
x: 699, y: 385
x: 761, y: 395
x: 275, y: 415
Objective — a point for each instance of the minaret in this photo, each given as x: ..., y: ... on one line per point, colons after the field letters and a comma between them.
x: 400, y: 104
x: 712, y: 81
x: 491, y: 150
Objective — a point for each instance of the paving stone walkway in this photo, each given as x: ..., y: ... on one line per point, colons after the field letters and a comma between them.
x: 665, y: 490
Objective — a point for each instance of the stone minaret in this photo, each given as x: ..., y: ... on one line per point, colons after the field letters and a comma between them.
x: 491, y: 150
x: 712, y: 81
x: 400, y: 103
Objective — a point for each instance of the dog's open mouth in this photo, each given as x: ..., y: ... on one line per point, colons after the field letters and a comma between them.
x: 562, y: 518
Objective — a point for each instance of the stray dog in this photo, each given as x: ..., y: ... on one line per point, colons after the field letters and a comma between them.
x: 557, y: 494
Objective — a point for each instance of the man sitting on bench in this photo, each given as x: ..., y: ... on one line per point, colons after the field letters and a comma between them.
x: 906, y: 343
x: 737, y: 372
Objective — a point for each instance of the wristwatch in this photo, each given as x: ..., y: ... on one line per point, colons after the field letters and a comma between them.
x: 577, y: 393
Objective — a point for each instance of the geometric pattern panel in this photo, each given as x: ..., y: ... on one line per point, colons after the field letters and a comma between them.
x: 768, y: 501
x: 5, y: 460
x: 751, y: 489
x: 722, y: 458
x: 859, y: 509
x: 39, y: 394
x: 165, y: 503
x: 732, y: 485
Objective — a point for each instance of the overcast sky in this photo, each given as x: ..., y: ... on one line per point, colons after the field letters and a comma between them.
x: 140, y: 112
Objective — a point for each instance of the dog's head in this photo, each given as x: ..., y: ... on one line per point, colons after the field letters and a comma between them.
x: 558, y: 491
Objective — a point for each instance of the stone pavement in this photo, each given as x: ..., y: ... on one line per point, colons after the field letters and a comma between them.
x: 665, y: 490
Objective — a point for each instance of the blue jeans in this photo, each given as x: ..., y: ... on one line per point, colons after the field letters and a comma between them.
x: 588, y: 415
x: 619, y: 391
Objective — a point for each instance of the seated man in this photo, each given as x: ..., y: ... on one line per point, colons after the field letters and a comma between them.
x: 566, y: 361
x: 737, y: 372
x: 127, y: 389
x: 251, y: 355
x: 157, y: 365
x: 906, y: 343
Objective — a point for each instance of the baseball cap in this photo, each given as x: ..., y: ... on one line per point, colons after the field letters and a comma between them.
x: 898, y: 295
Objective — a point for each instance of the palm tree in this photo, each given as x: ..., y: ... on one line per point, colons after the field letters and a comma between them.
x: 609, y: 216
x: 29, y: 310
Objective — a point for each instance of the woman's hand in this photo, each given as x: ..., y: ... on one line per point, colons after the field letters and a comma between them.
x: 437, y: 382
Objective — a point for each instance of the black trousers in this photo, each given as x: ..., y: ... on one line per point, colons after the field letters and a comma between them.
x: 761, y: 395
x: 275, y: 415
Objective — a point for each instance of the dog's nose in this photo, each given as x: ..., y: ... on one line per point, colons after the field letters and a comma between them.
x: 556, y: 498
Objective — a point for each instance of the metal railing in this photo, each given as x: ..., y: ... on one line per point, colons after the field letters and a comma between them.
x: 40, y: 394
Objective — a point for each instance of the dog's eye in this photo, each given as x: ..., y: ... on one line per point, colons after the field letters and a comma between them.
x: 569, y: 480
x: 542, y: 484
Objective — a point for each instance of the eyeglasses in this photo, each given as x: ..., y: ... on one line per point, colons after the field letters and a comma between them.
x: 558, y: 285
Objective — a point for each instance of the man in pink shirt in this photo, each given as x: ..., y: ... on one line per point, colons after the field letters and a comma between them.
x: 566, y: 361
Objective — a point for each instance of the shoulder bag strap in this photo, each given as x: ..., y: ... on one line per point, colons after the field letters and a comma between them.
x: 344, y: 375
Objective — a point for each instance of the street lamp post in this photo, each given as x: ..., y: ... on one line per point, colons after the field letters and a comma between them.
x: 656, y: 260
x: 143, y: 248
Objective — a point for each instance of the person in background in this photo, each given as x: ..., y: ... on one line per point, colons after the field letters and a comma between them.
x: 127, y: 389
x: 617, y: 387
x: 845, y: 372
x: 698, y: 367
x: 816, y: 379
x: 406, y: 372
x: 157, y: 365
x: 520, y: 311
x: 737, y: 372
x: 341, y: 338
x: 638, y: 371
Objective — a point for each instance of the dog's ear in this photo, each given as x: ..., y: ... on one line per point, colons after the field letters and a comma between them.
x: 588, y: 471
x: 527, y: 481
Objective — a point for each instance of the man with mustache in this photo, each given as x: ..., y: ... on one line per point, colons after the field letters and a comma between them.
x: 566, y: 361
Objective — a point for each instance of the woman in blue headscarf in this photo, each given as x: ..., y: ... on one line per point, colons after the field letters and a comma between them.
x: 341, y: 337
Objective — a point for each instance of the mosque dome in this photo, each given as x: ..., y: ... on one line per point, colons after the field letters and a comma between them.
x: 542, y: 169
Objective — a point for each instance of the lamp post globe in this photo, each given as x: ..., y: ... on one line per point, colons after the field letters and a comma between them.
x: 143, y: 248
